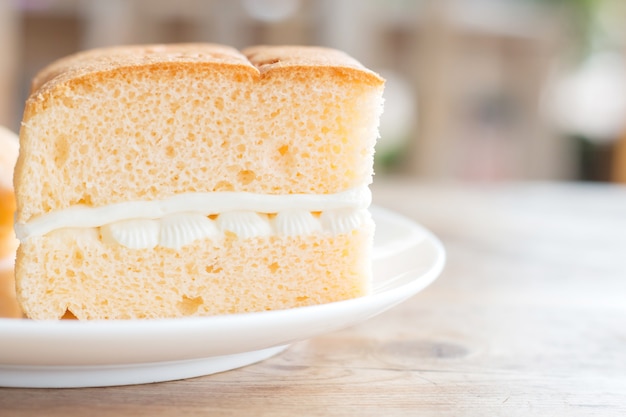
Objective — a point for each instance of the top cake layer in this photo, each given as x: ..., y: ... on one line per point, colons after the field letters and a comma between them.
x: 140, y: 123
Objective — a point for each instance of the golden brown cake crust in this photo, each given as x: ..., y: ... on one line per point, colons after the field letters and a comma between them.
x: 257, y: 61
x: 274, y: 59
x: 106, y: 59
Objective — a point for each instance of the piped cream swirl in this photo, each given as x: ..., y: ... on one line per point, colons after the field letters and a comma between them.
x: 178, y: 230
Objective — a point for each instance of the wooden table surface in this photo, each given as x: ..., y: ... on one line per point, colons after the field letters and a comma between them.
x: 527, y: 319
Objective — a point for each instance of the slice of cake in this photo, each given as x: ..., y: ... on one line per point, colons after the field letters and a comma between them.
x: 180, y: 180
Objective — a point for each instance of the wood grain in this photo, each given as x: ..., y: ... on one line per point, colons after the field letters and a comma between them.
x: 528, y: 319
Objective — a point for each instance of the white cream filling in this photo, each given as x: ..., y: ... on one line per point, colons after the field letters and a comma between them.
x: 204, y: 203
x: 179, y: 220
x: 178, y: 230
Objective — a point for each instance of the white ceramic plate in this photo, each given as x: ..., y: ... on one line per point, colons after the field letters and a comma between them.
x: 102, y: 353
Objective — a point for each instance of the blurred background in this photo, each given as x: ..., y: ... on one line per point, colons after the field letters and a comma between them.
x: 477, y: 90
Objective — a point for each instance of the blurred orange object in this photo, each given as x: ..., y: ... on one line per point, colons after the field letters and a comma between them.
x: 8, y: 157
x: 9, y: 308
x: 8, y: 242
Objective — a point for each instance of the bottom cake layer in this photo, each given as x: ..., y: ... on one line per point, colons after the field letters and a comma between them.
x: 76, y: 273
